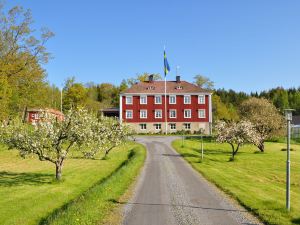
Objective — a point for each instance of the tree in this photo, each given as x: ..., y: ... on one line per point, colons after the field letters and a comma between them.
x: 203, y: 82
x: 21, y: 53
x: 51, y: 140
x: 75, y: 94
x: 236, y: 134
x: 222, y: 111
x: 267, y: 121
x: 108, y: 133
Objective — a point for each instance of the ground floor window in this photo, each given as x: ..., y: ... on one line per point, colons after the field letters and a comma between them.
x: 173, y: 126
x: 187, y: 126
x: 143, y: 126
x: 157, y: 126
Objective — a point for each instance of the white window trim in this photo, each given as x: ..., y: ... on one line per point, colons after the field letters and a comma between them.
x: 143, y: 110
x: 158, y: 103
x: 202, y: 103
x: 190, y: 113
x: 143, y: 96
x: 202, y: 110
x: 171, y: 114
x: 127, y: 103
x: 141, y: 126
x: 131, y: 114
x: 155, y: 125
x: 160, y: 114
x: 170, y: 99
x: 171, y: 126
x: 185, y: 124
x: 184, y: 99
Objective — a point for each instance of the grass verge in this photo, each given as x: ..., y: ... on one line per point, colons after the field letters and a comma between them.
x: 256, y: 180
x: 31, y: 193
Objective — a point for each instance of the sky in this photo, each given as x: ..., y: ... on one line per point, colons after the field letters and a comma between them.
x: 241, y: 45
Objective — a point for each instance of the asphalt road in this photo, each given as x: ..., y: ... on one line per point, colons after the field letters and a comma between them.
x: 170, y: 192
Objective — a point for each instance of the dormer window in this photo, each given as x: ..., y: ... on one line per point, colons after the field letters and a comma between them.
x: 179, y: 87
x: 151, y: 88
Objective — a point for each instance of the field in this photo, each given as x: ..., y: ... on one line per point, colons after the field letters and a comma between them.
x: 30, y: 194
x: 256, y: 180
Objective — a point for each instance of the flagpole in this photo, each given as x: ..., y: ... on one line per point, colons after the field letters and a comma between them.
x: 166, y: 113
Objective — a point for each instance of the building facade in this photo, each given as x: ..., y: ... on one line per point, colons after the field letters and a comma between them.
x: 33, y: 116
x: 187, y: 107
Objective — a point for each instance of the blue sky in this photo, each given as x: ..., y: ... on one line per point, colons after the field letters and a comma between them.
x: 241, y: 45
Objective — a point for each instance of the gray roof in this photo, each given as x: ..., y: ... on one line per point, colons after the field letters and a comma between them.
x: 296, y: 120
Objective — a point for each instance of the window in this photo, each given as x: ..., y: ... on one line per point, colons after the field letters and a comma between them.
x: 158, y: 114
x: 187, y: 126
x: 187, y: 99
x: 128, y: 100
x: 157, y: 99
x: 201, y: 99
x: 172, y: 113
x: 143, y: 114
x: 173, y: 126
x: 143, y: 126
x: 128, y: 114
x: 201, y: 113
x: 179, y: 87
x: 143, y: 99
x: 187, y: 113
x: 172, y: 99
x: 157, y: 126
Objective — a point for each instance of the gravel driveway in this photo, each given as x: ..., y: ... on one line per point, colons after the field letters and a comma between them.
x: 170, y: 192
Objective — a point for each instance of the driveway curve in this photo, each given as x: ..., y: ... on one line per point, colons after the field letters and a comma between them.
x: 170, y: 192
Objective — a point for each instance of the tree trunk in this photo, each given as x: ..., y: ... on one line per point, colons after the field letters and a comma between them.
x: 261, y: 146
x: 58, y: 170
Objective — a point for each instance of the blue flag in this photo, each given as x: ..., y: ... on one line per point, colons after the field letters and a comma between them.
x: 166, y: 64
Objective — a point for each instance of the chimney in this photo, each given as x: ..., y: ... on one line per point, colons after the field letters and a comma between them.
x: 151, y: 78
x: 177, y: 79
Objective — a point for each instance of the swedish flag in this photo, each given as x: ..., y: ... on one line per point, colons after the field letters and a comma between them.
x: 166, y: 64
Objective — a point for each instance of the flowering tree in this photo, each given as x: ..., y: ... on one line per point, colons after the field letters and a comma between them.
x: 267, y: 120
x: 50, y: 140
x: 236, y: 134
x: 108, y: 133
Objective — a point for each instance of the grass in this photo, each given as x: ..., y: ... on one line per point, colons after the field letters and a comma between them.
x: 30, y: 194
x: 256, y: 180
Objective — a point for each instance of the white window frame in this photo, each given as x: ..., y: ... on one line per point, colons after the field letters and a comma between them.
x: 143, y: 97
x: 204, y: 113
x: 158, y: 110
x: 131, y: 114
x: 185, y: 125
x: 142, y: 126
x: 171, y: 126
x: 187, y: 110
x: 126, y: 100
x: 172, y: 103
x: 187, y: 103
x: 141, y: 113
x: 201, y: 97
x: 157, y: 124
x: 160, y: 99
x: 172, y: 110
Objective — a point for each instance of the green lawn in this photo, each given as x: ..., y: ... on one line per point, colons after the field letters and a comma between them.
x: 30, y: 194
x: 256, y: 180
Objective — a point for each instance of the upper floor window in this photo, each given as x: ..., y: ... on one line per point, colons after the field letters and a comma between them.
x: 201, y: 99
x: 128, y: 100
x: 143, y: 114
x: 172, y: 113
x: 143, y: 99
x: 158, y: 113
x: 187, y: 113
x: 187, y: 99
x: 128, y: 114
x: 201, y: 113
x: 157, y: 99
x: 172, y: 99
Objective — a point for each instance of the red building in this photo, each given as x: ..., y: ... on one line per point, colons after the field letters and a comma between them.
x: 188, y: 107
x: 33, y: 116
